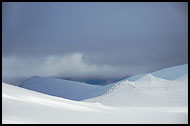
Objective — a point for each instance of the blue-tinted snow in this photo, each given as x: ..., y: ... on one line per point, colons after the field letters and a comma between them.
x: 169, y: 73
x: 80, y: 91
x: 64, y: 88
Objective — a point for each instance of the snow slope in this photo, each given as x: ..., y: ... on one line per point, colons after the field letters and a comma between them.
x: 169, y: 73
x: 183, y: 78
x: 20, y: 105
x: 64, y: 88
x: 150, y: 90
x: 147, y: 91
x: 80, y: 91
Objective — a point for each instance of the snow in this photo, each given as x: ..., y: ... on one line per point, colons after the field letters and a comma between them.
x: 183, y: 78
x: 24, y: 106
x: 169, y: 73
x: 64, y: 88
x: 80, y: 91
x: 157, y: 97
x: 147, y: 91
x: 172, y: 73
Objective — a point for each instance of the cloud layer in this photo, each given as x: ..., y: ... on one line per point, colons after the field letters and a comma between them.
x: 86, y: 40
x: 67, y: 66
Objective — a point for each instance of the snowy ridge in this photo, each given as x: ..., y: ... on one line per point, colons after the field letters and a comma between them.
x: 80, y: 91
x: 148, y: 80
x: 64, y: 88
x: 120, y: 85
x: 148, y: 77
x: 146, y: 91
x: 152, y: 81
x: 170, y: 73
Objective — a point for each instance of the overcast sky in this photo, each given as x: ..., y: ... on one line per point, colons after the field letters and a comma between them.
x: 92, y: 40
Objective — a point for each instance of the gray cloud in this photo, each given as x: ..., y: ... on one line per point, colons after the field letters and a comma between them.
x: 128, y: 38
x: 67, y: 66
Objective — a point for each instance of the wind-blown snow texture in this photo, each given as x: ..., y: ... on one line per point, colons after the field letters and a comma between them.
x: 147, y: 99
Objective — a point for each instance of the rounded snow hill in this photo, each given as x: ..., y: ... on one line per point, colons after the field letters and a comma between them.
x: 64, y: 88
x: 170, y: 73
x: 146, y: 91
x: 80, y: 91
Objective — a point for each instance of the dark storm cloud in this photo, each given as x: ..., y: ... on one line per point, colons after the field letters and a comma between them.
x: 134, y: 37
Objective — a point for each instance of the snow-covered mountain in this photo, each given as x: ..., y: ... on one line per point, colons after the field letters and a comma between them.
x: 64, y: 88
x: 20, y: 105
x: 146, y: 99
x: 81, y: 91
x: 169, y: 73
x: 146, y: 91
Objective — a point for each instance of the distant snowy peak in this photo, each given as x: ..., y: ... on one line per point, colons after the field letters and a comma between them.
x: 147, y: 80
x: 170, y: 73
x: 80, y: 91
x: 148, y: 77
x: 147, y: 91
x: 151, y: 78
x: 125, y: 85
